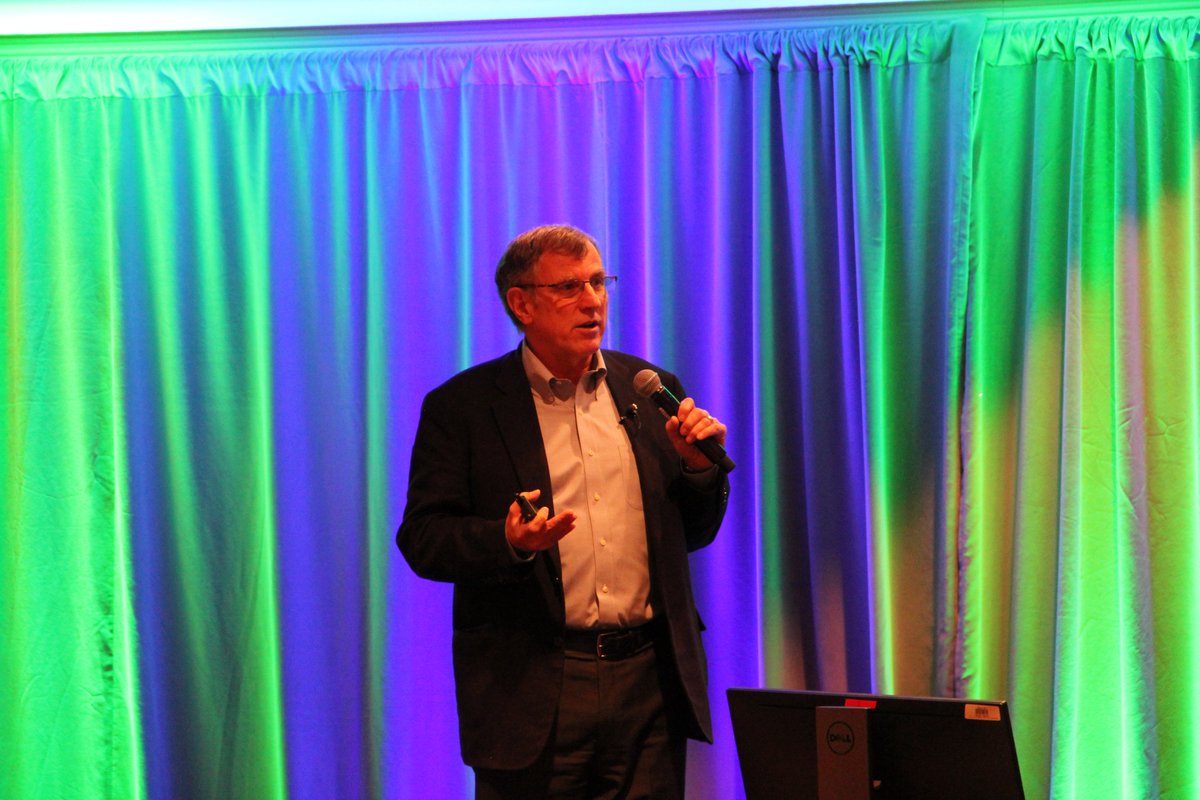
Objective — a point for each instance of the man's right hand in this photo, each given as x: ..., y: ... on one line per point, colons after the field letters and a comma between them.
x: 540, y: 533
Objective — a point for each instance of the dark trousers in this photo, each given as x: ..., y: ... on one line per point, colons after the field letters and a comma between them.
x: 614, y: 738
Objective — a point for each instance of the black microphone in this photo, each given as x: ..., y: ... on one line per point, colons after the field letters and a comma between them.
x: 648, y: 384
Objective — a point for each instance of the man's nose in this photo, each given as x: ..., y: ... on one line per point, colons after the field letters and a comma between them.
x: 591, y: 294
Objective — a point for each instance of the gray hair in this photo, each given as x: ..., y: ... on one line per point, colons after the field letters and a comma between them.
x: 524, y: 251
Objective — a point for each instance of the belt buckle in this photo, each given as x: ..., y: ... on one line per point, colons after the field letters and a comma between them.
x: 600, y: 654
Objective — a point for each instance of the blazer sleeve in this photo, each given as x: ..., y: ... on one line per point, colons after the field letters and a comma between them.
x: 702, y: 509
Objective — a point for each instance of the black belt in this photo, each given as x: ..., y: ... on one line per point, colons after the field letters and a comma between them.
x: 610, y: 644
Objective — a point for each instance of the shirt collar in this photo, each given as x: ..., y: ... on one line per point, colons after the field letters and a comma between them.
x: 551, y: 389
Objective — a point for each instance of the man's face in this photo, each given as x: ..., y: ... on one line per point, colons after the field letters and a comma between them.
x: 564, y: 330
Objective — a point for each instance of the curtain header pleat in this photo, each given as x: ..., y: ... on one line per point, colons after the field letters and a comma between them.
x: 1101, y: 38
x: 321, y: 70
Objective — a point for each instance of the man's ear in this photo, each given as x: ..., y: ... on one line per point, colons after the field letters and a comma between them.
x: 518, y: 301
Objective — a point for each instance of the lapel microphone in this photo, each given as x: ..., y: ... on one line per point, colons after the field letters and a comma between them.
x: 629, y: 420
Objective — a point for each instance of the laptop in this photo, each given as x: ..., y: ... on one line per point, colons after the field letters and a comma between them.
x: 905, y: 747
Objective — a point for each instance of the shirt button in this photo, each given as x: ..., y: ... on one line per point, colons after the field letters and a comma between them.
x: 596, y: 497
x: 604, y: 588
x: 591, y: 452
x: 603, y: 542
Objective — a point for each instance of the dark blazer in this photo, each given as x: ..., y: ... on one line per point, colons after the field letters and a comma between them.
x: 478, y: 442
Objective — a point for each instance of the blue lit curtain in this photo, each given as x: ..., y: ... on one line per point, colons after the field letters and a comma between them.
x: 233, y: 267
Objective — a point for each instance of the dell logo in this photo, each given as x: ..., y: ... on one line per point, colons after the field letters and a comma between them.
x: 840, y: 738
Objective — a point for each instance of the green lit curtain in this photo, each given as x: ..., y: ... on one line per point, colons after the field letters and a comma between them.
x: 1079, y: 544
x: 940, y: 278
x: 69, y: 721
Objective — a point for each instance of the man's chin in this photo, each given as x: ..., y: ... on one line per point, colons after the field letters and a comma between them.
x: 592, y: 336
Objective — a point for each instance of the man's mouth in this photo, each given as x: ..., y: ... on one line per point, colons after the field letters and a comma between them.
x: 595, y: 323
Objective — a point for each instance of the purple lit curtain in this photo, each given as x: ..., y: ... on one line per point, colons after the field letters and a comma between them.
x: 234, y: 265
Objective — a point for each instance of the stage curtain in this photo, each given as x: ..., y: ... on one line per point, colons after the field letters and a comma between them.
x: 1080, y: 531
x: 939, y: 278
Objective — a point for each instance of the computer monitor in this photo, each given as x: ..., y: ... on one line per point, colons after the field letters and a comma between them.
x: 919, y: 747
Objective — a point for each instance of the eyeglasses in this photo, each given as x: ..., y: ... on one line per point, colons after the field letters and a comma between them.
x: 573, y: 288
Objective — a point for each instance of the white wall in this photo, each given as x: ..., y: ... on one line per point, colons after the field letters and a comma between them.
x: 97, y: 16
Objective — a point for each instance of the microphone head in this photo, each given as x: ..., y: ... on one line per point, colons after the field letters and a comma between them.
x: 647, y: 382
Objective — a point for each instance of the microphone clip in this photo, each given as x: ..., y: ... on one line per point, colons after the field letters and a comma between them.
x: 630, y: 421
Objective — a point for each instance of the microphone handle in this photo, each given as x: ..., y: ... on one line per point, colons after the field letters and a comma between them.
x: 668, y: 404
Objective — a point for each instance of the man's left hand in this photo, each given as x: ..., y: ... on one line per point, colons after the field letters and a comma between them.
x: 689, y: 425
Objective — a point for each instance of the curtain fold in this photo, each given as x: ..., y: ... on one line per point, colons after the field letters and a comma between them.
x: 876, y: 159
x: 938, y: 277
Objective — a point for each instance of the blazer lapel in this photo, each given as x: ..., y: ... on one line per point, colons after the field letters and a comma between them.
x: 643, y: 440
x: 516, y: 419
x: 620, y: 386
